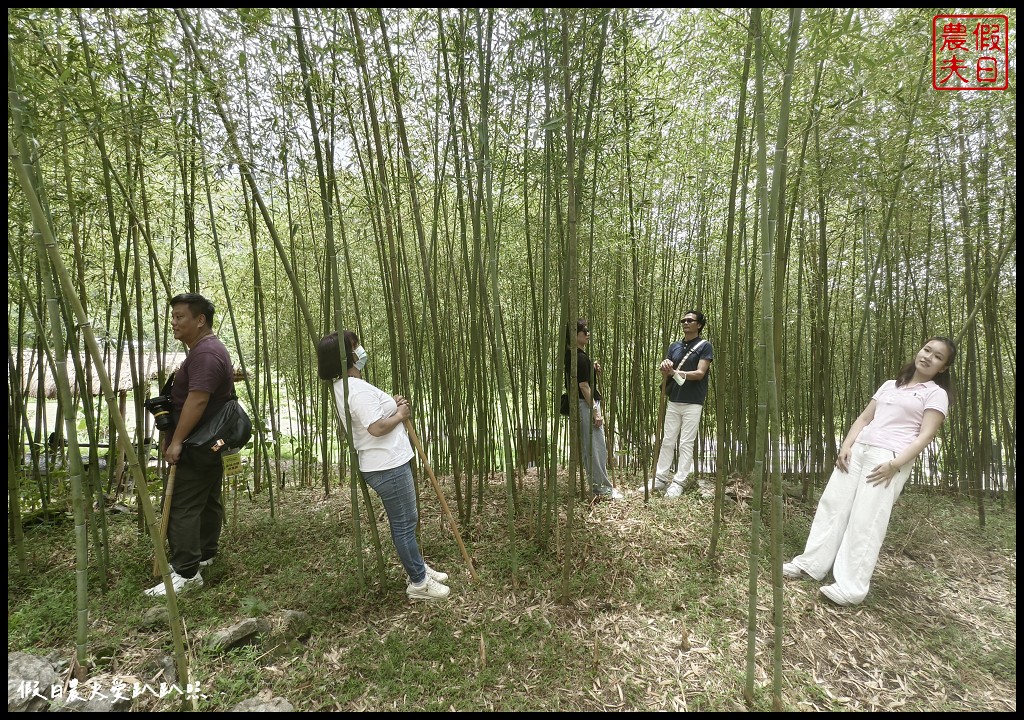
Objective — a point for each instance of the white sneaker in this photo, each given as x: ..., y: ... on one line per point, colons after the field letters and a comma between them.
x: 616, y: 495
x: 833, y: 596
x: 674, y: 490
x: 429, y: 589
x: 180, y: 584
x: 791, y: 571
x: 655, y: 485
x: 437, y: 575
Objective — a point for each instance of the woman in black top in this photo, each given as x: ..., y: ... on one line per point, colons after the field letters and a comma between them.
x: 592, y: 443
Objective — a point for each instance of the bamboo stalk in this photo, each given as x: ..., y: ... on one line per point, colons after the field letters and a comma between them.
x: 165, y: 518
x: 440, y: 497
x: 656, y: 452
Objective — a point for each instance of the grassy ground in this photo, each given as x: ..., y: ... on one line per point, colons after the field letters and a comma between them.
x: 651, y: 624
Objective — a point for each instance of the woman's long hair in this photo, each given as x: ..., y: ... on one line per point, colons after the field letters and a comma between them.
x: 943, y: 379
x: 328, y: 358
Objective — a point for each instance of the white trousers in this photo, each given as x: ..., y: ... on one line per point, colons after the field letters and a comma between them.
x: 681, y: 423
x: 850, y: 524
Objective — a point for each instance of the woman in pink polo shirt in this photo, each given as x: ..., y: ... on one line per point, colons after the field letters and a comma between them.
x: 874, y: 462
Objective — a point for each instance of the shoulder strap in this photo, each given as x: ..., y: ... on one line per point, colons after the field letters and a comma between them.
x: 690, y: 352
x: 166, y: 389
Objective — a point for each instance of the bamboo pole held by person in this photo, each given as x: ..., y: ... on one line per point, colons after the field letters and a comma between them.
x: 440, y: 496
x: 165, y: 518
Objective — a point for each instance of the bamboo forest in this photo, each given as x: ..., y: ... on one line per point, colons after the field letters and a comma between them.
x: 828, y: 189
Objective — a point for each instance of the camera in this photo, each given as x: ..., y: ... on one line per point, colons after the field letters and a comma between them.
x: 161, y: 407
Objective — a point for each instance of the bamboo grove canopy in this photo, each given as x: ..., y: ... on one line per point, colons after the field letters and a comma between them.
x: 456, y: 185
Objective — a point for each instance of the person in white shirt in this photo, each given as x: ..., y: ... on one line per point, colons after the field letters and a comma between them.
x: 385, y: 454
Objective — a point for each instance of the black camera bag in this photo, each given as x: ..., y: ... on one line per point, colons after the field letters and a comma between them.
x: 229, y: 427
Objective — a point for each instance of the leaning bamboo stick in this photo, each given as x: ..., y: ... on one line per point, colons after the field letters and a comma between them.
x: 649, y: 483
x: 440, y: 496
x: 165, y: 518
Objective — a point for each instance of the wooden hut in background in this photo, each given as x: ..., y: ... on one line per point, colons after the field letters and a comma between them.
x: 122, y: 381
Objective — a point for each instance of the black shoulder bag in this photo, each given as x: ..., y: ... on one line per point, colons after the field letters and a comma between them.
x: 229, y: 427
x: 563, y: 405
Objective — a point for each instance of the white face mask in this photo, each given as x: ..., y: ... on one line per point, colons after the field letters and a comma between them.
x: 361, y: 357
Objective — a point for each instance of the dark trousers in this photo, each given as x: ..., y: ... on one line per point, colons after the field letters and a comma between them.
x: 193, y: 529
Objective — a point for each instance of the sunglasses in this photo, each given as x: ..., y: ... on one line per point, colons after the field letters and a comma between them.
x: 687, y: 321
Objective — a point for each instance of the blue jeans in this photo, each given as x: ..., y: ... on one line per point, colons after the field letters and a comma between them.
x: 397, y: 492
